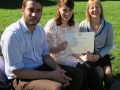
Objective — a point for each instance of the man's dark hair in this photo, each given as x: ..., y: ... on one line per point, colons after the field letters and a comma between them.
x: 25, y: 1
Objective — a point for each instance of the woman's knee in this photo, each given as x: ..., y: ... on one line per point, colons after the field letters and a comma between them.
x: 108, y: 71
x: 100, y: 72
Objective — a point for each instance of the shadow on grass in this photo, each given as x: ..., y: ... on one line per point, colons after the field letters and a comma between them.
x: 116, y: 77
x: 11, y: 4
x: 116, y: 83
x: 16, y: 4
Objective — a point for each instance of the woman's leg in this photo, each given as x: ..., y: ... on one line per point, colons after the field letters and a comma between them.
x: 106, y: 65
x: 76, y: 75
x: 84, y: 85
x: 103, y: 62
x: 100, y: 72
x: 93, y: 79
x: 108, y: 77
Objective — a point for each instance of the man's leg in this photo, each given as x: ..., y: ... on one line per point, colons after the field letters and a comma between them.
x: 41, y: 84
x: 72, y: 72
x: 76, y: 75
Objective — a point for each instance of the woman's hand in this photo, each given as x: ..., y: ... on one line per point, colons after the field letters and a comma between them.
x: 62, y: 46
x: 95, y: 57
x: 85, y: 57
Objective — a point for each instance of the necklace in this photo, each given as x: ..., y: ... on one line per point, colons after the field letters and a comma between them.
x: 95, y: 27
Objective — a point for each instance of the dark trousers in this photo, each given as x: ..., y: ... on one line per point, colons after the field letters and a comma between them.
x: 90, y: 76
x: 2, y: 86
x: 45, y: 84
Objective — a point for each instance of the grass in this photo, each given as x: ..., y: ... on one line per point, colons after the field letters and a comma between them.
x: 112, y: 15
x: 10, y: 13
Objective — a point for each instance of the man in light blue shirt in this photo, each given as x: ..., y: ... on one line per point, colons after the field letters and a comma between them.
x: 26, y: 55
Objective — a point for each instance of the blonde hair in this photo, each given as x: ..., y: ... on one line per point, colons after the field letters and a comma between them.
x: 88, y: 17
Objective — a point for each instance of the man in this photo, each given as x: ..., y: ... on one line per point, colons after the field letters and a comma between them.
x: 26, y: 54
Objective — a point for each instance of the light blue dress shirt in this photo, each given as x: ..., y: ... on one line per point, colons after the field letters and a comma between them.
x: 22, y: 49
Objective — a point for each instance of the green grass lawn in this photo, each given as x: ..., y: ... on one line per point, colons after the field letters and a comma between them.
x: 10, y: 13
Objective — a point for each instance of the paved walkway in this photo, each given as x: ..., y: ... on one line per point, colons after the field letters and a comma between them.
x: 115, y: 85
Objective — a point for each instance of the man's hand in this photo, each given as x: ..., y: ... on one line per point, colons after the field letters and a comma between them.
x: 59, y: 75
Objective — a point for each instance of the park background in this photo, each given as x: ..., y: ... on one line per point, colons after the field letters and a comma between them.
x: 10, y: 12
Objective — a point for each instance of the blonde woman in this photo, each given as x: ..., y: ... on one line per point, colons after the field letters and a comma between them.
x: 95, y: 22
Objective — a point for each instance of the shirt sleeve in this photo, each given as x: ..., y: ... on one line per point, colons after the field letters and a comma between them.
x: 83, y: 26
x: 12, y: 51
x: 109, y: 42
x: 50, y: 31
x: 75, y: 27
x: 46, y: 49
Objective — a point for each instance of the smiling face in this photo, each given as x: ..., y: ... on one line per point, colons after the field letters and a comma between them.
x: 32, y: 13
x: 65, y: 12
x: 95, y: 10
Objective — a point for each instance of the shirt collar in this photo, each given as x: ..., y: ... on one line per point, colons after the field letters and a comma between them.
x: 24, y: 26
x: 100, y: 28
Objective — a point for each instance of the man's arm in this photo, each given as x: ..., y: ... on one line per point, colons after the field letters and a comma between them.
x: 34, y: 74
x: 57, y: 74
x: 31, y: 74
x: 48, y: 60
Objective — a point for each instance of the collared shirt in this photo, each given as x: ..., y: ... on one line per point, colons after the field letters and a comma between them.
x: 22, y: 49
x: 103, y: 38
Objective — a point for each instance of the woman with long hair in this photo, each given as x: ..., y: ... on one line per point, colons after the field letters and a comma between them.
x: 95, y: 22
x: 62, y: 23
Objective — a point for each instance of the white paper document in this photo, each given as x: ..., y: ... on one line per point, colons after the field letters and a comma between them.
x: 79, y: 42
